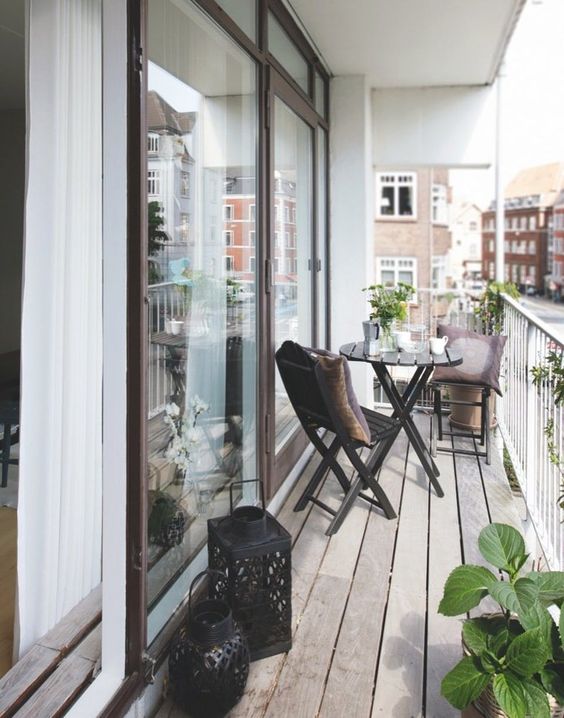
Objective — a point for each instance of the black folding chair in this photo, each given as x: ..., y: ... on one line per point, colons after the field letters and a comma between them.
x: 308, y: 393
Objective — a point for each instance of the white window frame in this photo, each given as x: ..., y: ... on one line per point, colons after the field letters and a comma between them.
x: 228, y: 235
x: 184, y: 183
x: 396, y: 180
x: 228, y: 212
x: 392, y: 264
x: 228, y: 259
x: 252, y: 238
x: 252, y: 264
x: 439, y: 204
x: 153, y: 143
x: 252, y: 213
x: 154, y: 183
x: 184, y: 225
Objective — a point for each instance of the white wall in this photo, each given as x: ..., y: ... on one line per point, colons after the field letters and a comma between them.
x: 12, y: 178
x: 352, y: 213
x: 438, y: 126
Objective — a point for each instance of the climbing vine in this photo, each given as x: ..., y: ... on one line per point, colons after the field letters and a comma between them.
x: 551, y: 374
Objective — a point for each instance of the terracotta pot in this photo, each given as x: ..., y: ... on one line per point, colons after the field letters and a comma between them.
x: 469, y: 417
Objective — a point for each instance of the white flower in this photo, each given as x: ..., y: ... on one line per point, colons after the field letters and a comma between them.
x: 198, y: 405
x: 172, y: 409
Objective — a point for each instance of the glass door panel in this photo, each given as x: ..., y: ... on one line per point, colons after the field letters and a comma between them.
x: 202, y: 377
x: 291, y: 247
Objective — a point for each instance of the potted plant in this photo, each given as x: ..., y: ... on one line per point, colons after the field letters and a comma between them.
x: 513, y: 662
x: 388, y: 305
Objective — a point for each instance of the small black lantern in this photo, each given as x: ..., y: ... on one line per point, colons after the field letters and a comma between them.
x: 254, y: 551
x: 209, y: 660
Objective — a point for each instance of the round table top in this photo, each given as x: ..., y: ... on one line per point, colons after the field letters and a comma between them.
x: 355, y: 352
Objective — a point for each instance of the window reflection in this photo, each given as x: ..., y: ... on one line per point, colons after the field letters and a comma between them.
x: 201, y: 187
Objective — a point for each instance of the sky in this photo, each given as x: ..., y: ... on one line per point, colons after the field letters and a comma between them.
x: 533, y: 101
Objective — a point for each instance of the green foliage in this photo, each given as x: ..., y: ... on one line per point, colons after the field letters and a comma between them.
x: 490, y: 309
x: 519, y: 651
x: 157, y: 235
x: 550, y: 374
x: 389, y: 304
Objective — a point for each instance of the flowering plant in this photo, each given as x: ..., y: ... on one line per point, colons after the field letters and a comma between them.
x: 184, y: 435
x: 389, y: 304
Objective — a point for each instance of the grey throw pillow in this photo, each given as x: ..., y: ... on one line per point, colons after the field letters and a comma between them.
x: 481, y: 358
x: 337, y: 375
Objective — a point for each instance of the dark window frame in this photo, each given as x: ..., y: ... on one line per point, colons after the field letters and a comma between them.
x: 143, y: 661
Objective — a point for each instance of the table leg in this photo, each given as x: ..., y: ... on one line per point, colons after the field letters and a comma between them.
x: 402, y: 405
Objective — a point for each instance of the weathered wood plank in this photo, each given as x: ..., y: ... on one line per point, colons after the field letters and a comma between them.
x: 308, y: 530
x: 58, y: 692
x: 399, y: 681
x: 300, y: 687
x: 8, y: 563
x: 24, y: 678
x: 351, y: 677
x: 76, y: 624
x: 443, y: 633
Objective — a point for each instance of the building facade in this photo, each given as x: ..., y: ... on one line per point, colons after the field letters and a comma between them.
x: 528, y: 236
x: 411, y: 232
x: 465, y: 254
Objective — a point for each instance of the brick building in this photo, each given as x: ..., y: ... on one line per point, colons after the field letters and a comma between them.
x: 528, y: 242
x: 556, y: 283
x: 411, y: 234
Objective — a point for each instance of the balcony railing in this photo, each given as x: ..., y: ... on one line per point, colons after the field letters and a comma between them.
x: 524, y: 413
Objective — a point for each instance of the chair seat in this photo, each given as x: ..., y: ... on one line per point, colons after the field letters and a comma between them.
x: 380, y: 425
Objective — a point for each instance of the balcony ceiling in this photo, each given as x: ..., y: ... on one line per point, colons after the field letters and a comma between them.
x: 411, y: 43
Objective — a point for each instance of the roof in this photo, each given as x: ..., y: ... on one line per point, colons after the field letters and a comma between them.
x: 162, y: 116
x: 544, y: 181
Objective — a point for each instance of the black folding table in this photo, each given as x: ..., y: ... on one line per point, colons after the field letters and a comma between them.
x: 402, y: 404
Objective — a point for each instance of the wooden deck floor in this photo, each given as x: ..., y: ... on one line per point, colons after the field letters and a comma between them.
x: 367, y: 637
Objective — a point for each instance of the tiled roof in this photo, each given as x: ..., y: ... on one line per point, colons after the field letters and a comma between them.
x: 160, y: 116
x: 545, y: 181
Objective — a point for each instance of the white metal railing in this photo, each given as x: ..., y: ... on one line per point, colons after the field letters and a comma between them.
x: 166, y: 301
x: 523, y: 413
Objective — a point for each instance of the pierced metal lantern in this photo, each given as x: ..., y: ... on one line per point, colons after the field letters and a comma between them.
x: 209, y: 659
x: 254, y: 551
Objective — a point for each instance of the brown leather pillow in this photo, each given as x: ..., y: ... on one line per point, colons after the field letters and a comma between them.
x: 337, y: 375
x: 481, y: 358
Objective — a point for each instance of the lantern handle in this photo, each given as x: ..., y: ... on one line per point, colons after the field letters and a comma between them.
x: 207, y: 572
x: 246, y: 481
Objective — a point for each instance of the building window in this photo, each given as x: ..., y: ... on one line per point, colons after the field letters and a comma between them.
x: 473, y: 226
x: 532, y: 246
x: 532, y: 223
x: 277, y: 213
x: 153, y: 183
x: 523, y: 223
x: 229, y: 264
x: 252, y: 264
x: 391, y: 270
x: 287, y: 239
x: 228, y: 212
x: 277, y: 239
x: 491, y: 245
x: 153, y: 143
x: 184, y: 184
x: 286, y: 214
x: 395, y: 194
x: 227, y: 238
x: 252, y: 212
x: 439, y: 204
x: 252, y: 237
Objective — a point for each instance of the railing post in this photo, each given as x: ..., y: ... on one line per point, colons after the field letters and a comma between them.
x: 531, y: 425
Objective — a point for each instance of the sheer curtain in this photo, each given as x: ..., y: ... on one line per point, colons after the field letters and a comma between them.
x: 59, y: 512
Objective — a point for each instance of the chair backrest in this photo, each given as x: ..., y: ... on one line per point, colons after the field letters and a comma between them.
x: 301, y: 381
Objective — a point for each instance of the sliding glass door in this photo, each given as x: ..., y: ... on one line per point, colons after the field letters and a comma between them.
x: 291, y: 248
x: 201, y: 210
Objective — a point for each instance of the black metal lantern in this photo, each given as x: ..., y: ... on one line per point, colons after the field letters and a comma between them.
x: 209, y: 660
x: 254, y: 551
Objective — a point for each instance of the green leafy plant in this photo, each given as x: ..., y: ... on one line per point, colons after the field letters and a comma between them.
x: 389, y: 304
x: 551, y: 375
x: 518, y: 653
x: 490, y: 309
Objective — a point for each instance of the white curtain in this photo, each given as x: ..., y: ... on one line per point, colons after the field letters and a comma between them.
x: 59, y: 512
